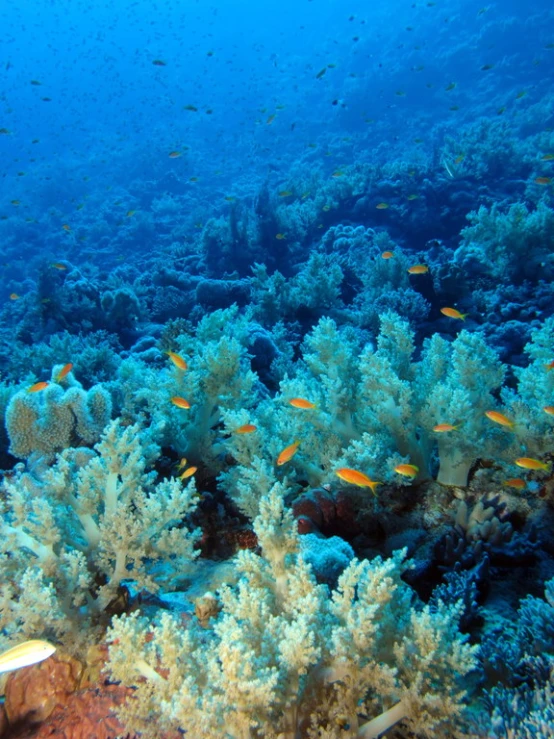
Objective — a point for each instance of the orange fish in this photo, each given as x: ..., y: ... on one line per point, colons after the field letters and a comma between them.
x: 515, y: 482
x: 247, y: 428
x: 14, y: 296
x: 548, y: 157
x: 288, y: 453
x: 528, y: 463
x: 442, y: 428
x: 338, y: 173
x: 174, y: 154
x: 387, y: 255
x: 178, y: 360
x: 65, y: 370
x: 37, y: 387
x: 280, y: 236
x: 180, y: 402
x: 270, y: 119
x: 188, y: 473
x: 543, y: 180
x: 66, y: 227
x: 354, y: 477
x: 285, y: 194
x: 408, y: 470
x: 453, y: 313
x: 549, y: 409
x: 499, y: 418
x: 418, y: 269
x: 549, y: 366
x: 59, y: 265
x: 130, y: 213
x: 382, y: 206
x: 301, y: 403
x: 182, y: 463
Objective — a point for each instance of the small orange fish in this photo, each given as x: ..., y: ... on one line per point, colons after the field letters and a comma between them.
x: 178, y: 360
x: 354, y: 477
x: 301, y: 403
x: 59, y: 265
x: 270, y: 119
x: 66, y: 227
x: 543, y: 180
x: 459, y: 159
x: 413, y: 196
x: 549, y: 409
x: 14, y: 296
x: 549, y: 366
x: 408, y: 470
x: 174, y: 154
x: 515, y: 482
x: 387, y: 255
x: 442, y: 428
x: 418, y: 269
x: 180, y: 402
x: 188, y: 473
x: 548, y: 158
x: 247, y: 428
x: 182, y: 463
x: 499, y: 418
x: 130, y: 213
x: 382, y: 206
x: 285, y: 194
x: 65, y: 370
x: 528, y: 463
x: 37, y: 387
x: 338, y: 173
x: 453, y: 313
x: 288, y: 453
x: 280, y: 236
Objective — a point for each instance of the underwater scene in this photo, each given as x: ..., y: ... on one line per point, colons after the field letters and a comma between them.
x: 277, y: 369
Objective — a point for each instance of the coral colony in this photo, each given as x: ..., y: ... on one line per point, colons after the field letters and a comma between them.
x: 277, y: 371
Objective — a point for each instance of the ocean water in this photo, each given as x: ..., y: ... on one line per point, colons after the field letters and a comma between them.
x: 305, y: 243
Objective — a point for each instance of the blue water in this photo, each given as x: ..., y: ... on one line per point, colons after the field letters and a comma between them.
x: 152, y: 153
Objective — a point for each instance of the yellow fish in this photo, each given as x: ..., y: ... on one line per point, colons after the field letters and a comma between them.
x: 354, y: 477
x: 453, y: 313
x: 288, y: 453
x: 178, y: 360
x: 301, y: 403
x: 180, y: 402
x: 408, y: 470
x: 25, y: 654
x: 528, y: 463
x: 499, y: 418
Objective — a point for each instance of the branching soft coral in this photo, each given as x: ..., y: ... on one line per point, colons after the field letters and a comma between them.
x: 375, y: 407
x: 93, y: 521
x: 286, y: 657
x: 218, y: 377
